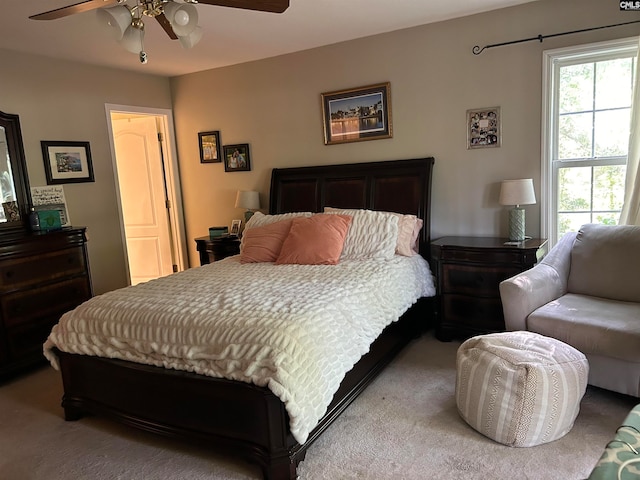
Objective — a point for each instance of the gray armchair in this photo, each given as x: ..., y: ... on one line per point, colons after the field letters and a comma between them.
x: 586, y: 293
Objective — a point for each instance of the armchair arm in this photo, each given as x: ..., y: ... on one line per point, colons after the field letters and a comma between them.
x: 529, y: 290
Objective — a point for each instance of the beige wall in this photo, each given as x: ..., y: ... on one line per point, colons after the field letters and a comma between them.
x: 274, y: 105
x: 66, y: 101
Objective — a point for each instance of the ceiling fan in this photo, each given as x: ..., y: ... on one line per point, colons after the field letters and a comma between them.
x: 179, y: 19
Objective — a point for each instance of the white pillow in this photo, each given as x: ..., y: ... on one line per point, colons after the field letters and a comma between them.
x: 372, y: 234
x: 408, y: 230
x: 259, y: 219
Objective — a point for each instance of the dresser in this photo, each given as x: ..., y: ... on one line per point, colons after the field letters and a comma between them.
x: 212, y: 249
x: 42, y: 276
x: 468, y: 272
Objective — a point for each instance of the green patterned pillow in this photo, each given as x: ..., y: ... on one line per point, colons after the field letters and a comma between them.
x: 623, y: 449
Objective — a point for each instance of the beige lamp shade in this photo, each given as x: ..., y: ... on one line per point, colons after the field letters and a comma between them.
x: 516, y: 193
x: 249, y: 200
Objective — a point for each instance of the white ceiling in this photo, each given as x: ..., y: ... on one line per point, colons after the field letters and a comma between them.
x: 231, y: 35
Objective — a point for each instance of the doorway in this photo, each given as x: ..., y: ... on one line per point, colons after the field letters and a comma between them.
x: 148, y: 191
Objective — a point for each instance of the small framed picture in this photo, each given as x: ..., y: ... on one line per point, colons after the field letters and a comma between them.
x: 235, y: 227
x: 483, y: 128
x: 210, y: 147
x: 236, y: 158
x: 67, y: 162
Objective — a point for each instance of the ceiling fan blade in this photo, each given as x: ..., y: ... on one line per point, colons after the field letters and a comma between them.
x: 164, y: 22
x: 275, y: 6
x: 75, y: 8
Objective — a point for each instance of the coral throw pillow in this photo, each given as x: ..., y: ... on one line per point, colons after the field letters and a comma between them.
x: 263, y: 244
x: 317, y: 240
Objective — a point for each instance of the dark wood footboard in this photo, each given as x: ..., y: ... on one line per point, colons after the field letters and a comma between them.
x: 236, y: 418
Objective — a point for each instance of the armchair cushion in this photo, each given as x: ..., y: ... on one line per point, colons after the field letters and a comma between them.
x: 605, y: 262
x: 595, y: 325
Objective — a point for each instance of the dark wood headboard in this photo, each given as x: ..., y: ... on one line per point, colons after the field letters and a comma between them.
x: 401, y: 186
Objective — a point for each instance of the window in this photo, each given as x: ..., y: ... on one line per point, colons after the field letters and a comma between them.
x: 586, y: 120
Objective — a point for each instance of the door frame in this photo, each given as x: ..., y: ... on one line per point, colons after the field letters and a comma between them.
x: 172, y: 173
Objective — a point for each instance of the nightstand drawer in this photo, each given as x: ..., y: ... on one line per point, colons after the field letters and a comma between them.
x: 474, y: 280
x: 483, y: 256
x: 480, y: 314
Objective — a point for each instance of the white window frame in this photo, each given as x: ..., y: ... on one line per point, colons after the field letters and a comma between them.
x: 548, y: 177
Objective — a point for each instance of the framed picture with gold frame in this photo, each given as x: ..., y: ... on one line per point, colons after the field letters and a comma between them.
x: 357, y: 114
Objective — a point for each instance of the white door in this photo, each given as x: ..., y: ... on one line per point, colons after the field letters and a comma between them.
x: 143, y: 198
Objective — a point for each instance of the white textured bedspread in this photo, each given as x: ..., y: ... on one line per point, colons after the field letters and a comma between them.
x: 296, y: 329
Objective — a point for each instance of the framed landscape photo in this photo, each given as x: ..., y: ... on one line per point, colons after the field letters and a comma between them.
x: 483, y: 128
x: 67, y: 162
x: 237, y: 158
x: 357, y: 114
x: 210, y: 147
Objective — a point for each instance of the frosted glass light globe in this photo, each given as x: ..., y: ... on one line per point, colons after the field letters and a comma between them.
x: 181, y: 18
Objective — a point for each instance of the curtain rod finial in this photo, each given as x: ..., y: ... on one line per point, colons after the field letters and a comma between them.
x: 477, y: 50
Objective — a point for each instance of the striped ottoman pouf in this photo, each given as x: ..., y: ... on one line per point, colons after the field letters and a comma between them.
x: 520, y: 388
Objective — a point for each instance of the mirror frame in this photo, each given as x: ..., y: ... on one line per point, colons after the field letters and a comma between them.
x: 13, y: 134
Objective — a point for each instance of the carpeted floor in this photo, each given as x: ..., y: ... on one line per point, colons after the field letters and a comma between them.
x: 404, y: 426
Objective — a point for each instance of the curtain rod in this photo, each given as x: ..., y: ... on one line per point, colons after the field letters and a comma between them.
x: 477, y: 50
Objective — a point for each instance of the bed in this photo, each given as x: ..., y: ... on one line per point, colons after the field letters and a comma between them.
x: 240, y: 417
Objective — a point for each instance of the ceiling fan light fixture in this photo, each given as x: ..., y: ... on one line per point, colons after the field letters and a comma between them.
x: 183, y: 17
x: 117, y: 19
x: 133, y: 37
x: 188, y: 41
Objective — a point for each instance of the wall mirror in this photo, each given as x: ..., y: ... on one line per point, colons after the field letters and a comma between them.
x: 15, y: 195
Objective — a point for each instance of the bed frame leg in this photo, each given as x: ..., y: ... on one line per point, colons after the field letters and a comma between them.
x: 282, y: 469
x: 72, y: 412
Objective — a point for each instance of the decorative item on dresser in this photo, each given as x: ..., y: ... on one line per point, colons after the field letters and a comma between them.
x: 468, y: 272
x: 42, y: 276
x: 212, y: 249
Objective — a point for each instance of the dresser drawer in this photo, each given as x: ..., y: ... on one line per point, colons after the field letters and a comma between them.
x: 51, y: 300
x: 481, y: 314
x: 474, y: 280
x: 22, y: 272
x: 25, y: 341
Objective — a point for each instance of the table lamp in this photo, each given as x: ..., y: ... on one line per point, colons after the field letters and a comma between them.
x: 249, y: 200
x: 516, y: 193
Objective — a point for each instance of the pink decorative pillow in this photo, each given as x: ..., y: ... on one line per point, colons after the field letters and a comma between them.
x: 263, y: 244
x: 316, y: 240
x: 408, y: 231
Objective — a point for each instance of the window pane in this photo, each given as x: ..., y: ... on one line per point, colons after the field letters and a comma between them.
x: 608, y: 187
x: 574, y: 136
x: 611, y: 218
x: 576, y: 88
x: 571, y: 222
x: 574, y: 189
x: 613, y: 83
x: 612, y: 133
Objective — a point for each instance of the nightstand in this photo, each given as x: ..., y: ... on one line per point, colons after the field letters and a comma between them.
x: 468, y: 272
x: 212, y: 249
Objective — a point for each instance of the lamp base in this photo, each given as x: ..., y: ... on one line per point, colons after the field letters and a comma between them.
x: 247, y: 215
x: 516, y: 224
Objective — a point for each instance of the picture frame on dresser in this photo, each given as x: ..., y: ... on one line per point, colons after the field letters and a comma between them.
x: 67, y: 162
